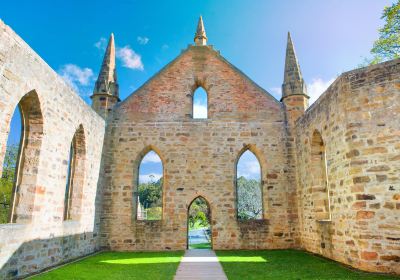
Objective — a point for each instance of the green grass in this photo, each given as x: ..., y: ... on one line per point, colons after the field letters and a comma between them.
x: 287, y: 264
x: 119, y: 265
x: 200, y: 246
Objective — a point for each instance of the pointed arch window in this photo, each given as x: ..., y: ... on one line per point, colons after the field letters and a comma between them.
x: 248, y: 187
x: 150, y: 188
x: 320, y: 192
x: 75, y: 176
x: 20, y: 162
x: 200, y: 104
x: 10, y: 167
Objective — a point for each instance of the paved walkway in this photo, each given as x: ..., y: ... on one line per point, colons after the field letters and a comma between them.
x: 200, y: 264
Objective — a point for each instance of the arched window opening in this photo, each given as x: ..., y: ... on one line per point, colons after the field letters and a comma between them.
x: 20, y: 164
x: 248, y: 187
x: 199, y: 224
x: 75, y: 176
x: 200, y: 104
x: 320, y: 193
x: 150, y: 181
x: 10, y: 167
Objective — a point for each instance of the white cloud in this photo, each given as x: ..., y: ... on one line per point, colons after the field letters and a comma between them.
x: 152, y: 177
x: 317, y: 87
x: 78, y: 78
x: 101, y: 44
x: 74, y: 73
x: 151, y: 157
x: 129, y: 58
x: 249, y: 169
x: 199, y: 111
x: 143, y: 40
x: 276, y: 92
x: 248, y: 166
x: 253, y: 167
x: 164, y: 47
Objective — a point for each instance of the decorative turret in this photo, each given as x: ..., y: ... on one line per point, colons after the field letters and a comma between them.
x: 200, y: 38
x: 106, y: 91
x: 294, y: 90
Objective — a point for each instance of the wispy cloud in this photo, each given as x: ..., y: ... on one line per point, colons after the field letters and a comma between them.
x: 314, y: 89
x: 101, y: 44
x: 143, y: 40
x: 199, y: 111
x: 151, y: 157
x: 152, y: 177
x: 164, y: 47
x: 317, y: 87
x: 129, y: 58
x: 276, y: 92
x: 78, y: 78
x: 249, y: 169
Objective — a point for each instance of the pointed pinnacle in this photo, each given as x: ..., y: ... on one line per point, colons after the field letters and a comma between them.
x: 293, y: 82
x: 107, y: 80
x: 200, y: 38
x: 292, y: 68
x: 108, y: 65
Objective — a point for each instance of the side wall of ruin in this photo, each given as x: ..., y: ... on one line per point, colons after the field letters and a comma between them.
x: 358, y: 119
x: 53, y: 113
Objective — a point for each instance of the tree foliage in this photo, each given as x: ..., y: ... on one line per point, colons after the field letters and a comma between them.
x: 199, y: 213
x: 249, y: 199
x: 387, y: 47
x: 7, y: 182
x: 150, y: 193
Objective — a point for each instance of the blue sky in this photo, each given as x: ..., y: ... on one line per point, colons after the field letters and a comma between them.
x: 248, y: 166
x: 150, y: 169
x: 329, y: 36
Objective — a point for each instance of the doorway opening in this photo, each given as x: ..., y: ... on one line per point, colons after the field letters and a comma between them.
x: 199, y: 225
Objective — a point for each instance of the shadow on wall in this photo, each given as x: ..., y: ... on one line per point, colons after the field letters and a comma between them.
x: 253, y: 233
x: 40, y: 254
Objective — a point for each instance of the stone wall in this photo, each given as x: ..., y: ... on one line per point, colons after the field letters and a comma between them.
x: 358, y: 119
x: 199, y: 157
x: 40, y: 238
x: 336, y: 194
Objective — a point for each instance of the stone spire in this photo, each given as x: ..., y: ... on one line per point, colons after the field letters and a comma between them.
x: 293, y: 83
x: 106, y: 90
x: 107, y: 81
x: 200, y: 38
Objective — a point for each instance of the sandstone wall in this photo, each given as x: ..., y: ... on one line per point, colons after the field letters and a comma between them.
x: 199, y: 157
x: 40, y: 238
x: 358, y: 118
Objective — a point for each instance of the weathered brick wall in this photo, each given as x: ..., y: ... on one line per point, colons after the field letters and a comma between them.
x: 199, y: 157
x: 43, y: 239
x: 358, y: 118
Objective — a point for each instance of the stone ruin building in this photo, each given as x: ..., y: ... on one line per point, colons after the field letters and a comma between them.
x: 330, y: 172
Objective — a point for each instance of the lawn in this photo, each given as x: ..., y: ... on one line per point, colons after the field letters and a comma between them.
x: 286, y: 264
x: 200, y: 246
x: 120, y: 265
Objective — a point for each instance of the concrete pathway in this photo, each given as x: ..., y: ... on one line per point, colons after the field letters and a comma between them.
x: 200, y: 264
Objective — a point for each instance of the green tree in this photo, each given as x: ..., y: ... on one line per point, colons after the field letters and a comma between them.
x: 387, y: 47
x: 7, y: 182
x: 249, y: 199
x: 199, y: 213
x: 150, y: 193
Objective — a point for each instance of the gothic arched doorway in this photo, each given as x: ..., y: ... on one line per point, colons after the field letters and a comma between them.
x: 199, y: 224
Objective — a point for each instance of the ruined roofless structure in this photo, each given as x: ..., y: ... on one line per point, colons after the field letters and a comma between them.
x: 329, y: 173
